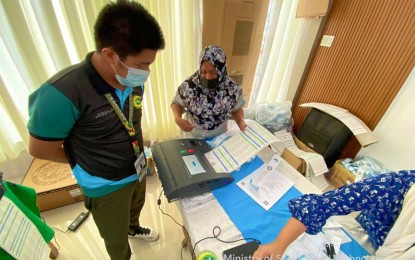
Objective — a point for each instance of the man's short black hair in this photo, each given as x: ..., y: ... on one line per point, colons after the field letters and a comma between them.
x: 128, y: 28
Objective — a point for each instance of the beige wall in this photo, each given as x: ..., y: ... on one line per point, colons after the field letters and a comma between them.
x: 213, y: 10
x: 372, y: 55
x: 220, y: 19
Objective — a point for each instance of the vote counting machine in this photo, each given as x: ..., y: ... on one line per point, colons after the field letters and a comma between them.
x: 184, y: 170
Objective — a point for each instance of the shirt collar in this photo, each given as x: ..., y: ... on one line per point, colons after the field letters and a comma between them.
x: 97, y: 81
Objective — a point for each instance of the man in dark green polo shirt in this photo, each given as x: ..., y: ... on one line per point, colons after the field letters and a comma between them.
x: 89, y: 115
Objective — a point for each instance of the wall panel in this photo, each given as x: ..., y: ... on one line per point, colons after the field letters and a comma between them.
x: 372, y: 54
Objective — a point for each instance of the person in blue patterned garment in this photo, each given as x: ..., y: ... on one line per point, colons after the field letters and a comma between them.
x: 208, y: 96
x: 387, y: 205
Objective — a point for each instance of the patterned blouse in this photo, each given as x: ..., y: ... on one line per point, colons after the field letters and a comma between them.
x: 379, y: 199
x: 209, y: 108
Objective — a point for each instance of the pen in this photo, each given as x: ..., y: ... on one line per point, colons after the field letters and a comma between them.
x: 328, y: 252
x: 332, y: 252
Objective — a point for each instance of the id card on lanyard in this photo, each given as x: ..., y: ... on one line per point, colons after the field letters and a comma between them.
x: 140, y: 163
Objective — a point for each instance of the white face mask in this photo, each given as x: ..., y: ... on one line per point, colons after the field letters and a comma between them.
x: 134, y: 78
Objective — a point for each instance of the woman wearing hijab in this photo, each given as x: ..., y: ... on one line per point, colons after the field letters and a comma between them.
x: 208, y: 96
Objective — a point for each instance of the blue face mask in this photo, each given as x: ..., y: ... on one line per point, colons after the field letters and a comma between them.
x: 134, y: 78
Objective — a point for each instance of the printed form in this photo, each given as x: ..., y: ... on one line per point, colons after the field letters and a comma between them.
x: 18, y: 235
x: 266, y: 185
x: 241, y: 147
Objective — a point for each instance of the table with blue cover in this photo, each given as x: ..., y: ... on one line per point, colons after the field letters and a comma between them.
x: 239, y: 216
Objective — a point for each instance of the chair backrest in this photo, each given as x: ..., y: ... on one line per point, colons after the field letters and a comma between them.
x: 324, y: 134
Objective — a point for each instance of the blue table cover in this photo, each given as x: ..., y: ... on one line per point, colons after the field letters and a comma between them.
x: 254, y: 221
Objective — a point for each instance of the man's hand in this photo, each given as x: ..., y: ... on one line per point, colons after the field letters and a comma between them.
x: 184, y: 124
x: 47, y: 150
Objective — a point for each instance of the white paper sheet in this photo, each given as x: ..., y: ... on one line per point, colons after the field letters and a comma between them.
x: 333, y: 230
x: 315, y: 161
x: 312, y: 247
x: 341, y: 114
x: 315, y: 164
x: 241, y: 147
x: 266, y: 185
x: 18, y: 235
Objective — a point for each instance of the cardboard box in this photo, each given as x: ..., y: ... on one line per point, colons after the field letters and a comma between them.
x: 151, y: 169
x: 339, y: 176
x: 299, y: 164
x: 54, y: 184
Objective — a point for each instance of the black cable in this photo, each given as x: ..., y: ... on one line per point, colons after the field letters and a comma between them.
x: 56, y: 241
x: 228, y: 242
x: 159, y: 203
x: 213, y: 231
x: 187, y: 233
x: 61, y: 230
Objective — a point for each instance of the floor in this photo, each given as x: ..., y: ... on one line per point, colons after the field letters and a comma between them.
x: 86, y: 243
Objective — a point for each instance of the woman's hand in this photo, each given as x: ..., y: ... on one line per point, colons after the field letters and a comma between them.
x: 275, y: 250
x: 241, y: 124
x: 268, y: 251
x: 184, y: 124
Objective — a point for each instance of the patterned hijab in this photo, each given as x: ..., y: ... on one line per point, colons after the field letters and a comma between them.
x: 209, y: 108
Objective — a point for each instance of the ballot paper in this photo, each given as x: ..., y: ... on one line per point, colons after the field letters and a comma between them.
x: 18, y: 235
x: 315, y: 164
x: 363, y: 134
x: 315, y: 160
x: 266, y: 185
x: 240, y: 148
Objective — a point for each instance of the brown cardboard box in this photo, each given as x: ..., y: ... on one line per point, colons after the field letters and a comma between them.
x: 151, y: 169
x: 339, y: 176
x: 299, y: 164
x: 54, y: 184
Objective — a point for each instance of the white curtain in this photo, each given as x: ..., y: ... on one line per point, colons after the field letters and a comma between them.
x: 286, y: 46
x: 41, y: 37
x: 181, y: 22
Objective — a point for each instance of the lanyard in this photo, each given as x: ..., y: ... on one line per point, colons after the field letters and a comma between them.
x: 128, y: 124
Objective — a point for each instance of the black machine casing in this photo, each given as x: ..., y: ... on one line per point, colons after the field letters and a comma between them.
x: 324, y: 134
x: 175, y: 177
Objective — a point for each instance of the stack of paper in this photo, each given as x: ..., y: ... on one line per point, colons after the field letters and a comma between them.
x: 241, y: 147
x: 363, y: 134
x: 315, y: 164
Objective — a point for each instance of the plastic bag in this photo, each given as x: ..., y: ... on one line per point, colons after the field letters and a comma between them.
x: 274, y: 116
x: 364, y: 167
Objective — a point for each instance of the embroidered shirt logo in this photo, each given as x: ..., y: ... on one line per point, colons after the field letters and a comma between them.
x: 103, y: 113
x: 137, y: 101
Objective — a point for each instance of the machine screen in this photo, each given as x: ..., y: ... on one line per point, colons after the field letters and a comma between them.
x: 193, y: 164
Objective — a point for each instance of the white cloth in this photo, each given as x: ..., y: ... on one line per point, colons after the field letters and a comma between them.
x: 402, y: 235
